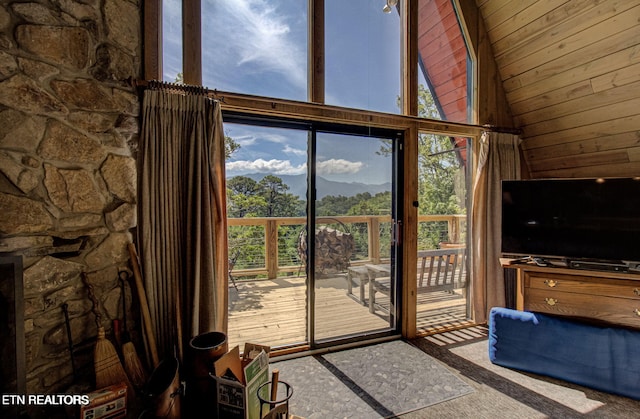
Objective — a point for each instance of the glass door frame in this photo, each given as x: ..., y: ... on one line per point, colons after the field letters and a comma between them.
x: 397, y: 141
x: 313, y: 127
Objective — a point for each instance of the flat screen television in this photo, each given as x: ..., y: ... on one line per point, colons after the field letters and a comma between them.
x: 583, y: 219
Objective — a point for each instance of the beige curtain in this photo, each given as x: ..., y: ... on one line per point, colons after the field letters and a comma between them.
x: 182, y: 226
x: 497, y: 157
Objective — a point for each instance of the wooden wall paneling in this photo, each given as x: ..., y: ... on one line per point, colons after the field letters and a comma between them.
x: 623, y: 141
x: 598, y: 41
x: 515, y: 28
x: 585, y: 117
x: 605, y: 170
x: 616, y: 160
x: 152, y: 40
x: 579, y: 22
x: 600, y: 99
x: 492, y: 104
x: 579, y: 92
x: 191, y: 42
x: 581, y: 160
x: 618, y: 77
x: 504, y: 15
x: 588, y: 70
x: 560, y: 94
x: 490, y: 7
x: 520, y: 32
x: 611, y: 127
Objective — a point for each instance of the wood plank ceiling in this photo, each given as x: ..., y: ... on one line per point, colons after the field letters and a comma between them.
x: 571, y: 73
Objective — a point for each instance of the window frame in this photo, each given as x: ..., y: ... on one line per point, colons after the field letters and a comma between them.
x: 315, y: 110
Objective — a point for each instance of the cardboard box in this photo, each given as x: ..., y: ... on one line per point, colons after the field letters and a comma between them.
x: 236, y: 397
x: 107, y: 403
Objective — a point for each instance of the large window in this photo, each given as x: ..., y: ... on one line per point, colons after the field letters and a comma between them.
x: 257, y: 47
x: 352, y: 56
x: 443, y: 62
x: 363, y: 56
x: 443, y: 277
x: 265, y: 57
x: 172, y: 40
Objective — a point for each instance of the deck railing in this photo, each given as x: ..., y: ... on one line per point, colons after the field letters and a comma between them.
x: 267, y: 252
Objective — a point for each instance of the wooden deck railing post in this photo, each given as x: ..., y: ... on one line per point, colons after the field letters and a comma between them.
x: 374, y: 239
x: 271, y: 251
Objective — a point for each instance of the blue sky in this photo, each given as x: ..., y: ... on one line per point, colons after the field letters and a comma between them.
x: 260, y: 47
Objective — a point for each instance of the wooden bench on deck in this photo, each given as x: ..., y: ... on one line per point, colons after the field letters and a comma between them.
x: 442, y: 269
x: 438, y: 270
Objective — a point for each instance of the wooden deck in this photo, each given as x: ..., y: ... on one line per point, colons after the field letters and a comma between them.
x: 273, y: 312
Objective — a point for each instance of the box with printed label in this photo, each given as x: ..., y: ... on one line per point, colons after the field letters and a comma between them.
x: 106, y: 403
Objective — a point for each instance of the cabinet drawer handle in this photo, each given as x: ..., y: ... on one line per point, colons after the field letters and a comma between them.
x: 636, y: 291
x: 637, y: 312
x: 550, y: 283
x: 552, y: 301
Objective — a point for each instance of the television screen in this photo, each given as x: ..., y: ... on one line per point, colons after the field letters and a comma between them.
x: 572, y: 218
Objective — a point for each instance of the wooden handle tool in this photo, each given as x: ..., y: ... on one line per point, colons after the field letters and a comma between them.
x: 144, y: 305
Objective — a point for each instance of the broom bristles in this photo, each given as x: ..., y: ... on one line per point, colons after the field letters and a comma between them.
x: 108, y: 368
x: 133, y: 366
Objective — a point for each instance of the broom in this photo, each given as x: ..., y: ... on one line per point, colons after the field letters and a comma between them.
x: 132, y: 364
x: 108, y: 369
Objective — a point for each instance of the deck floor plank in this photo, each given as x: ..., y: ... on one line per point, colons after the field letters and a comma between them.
x: 273, y: 312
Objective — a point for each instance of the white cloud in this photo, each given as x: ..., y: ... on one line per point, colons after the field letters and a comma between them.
x: 244, y: 140
x: 278, y: 167
x: 295, y: 151
x: 256, y: 36
x: 338, y: 166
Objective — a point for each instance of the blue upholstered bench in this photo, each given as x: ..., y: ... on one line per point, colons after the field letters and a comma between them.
x: 603, y: 358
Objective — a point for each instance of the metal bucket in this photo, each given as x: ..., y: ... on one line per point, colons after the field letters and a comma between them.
x: 206, y: 349
x: 164, y: 391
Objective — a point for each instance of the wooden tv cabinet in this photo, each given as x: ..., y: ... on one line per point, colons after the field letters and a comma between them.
x: 611, y: 297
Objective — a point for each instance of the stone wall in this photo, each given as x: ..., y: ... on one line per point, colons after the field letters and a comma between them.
x: 68, y: 136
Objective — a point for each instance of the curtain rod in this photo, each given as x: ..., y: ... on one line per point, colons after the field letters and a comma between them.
x: 172, y: 87
x: 214, y: 94
x: 506, y: 130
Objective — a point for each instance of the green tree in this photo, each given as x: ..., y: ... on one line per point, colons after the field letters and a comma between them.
x: 438, y: 175
x: 267, y: 198
x: 280, y: 203
x: 230, y: 146
x: 244, y: 198
x: 439, y: 165
x: 379, y: 204
x: 441, y: 177
x: 339, y: 205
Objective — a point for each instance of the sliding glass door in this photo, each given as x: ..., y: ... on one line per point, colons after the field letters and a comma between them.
x: 354, y: 218
x: 312, y: 222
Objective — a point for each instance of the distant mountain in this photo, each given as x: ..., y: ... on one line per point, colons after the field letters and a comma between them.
x: 298, y: 186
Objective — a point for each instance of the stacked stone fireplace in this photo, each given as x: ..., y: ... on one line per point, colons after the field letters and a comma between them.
x: 69, y: 125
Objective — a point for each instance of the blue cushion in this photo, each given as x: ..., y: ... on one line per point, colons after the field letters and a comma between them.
x: 603, y: 358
